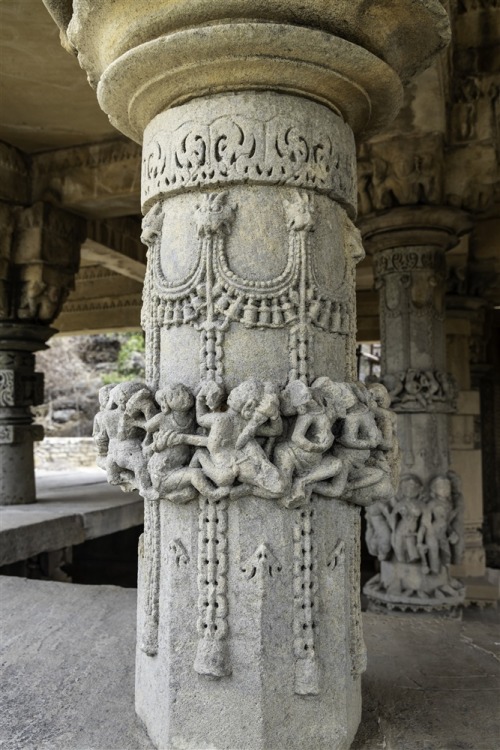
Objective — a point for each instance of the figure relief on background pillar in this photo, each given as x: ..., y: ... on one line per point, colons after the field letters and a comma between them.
x: 399, y: 172
x: 416, y: 536
x: 418, y: 533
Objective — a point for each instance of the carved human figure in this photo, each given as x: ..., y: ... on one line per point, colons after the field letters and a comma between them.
x: 105, y: 424
x: 165, y: 455
x: 378, y: 529
x: 405, y: 519
x: 230, y: 451
x: 125, y: 464
x: 394, y: 382
x: 436, y: 535
x: 303, y: 459
x: 358, y: 435
x: 32, y: 288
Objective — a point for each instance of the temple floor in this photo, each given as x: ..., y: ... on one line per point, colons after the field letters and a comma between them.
x: 67, y: 655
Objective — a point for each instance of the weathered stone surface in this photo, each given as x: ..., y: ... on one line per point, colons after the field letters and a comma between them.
x: 39, y: 256
x: 426, y: 676
x: 73, y: 654
x: 417, y: 534
x: 387, y: 30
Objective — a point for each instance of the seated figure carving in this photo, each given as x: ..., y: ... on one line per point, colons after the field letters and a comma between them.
x: 164, y: 455
x: 302, y: 460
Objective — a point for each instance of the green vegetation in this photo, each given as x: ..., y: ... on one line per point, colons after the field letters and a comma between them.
x: 130, y: 363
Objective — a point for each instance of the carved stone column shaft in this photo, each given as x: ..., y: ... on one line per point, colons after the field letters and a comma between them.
x: 250, y: 275
x: 419, y: 533
x: 251, y: 445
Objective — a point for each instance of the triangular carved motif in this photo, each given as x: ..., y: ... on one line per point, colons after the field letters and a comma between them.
x: 178, y: 552
x: 332, y: 557
x: 262, y: 563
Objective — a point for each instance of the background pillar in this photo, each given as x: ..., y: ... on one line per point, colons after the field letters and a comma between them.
x: 423, y: 524
x: 39, y: 255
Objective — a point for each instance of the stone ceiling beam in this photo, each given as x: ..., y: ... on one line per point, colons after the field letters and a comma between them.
x: 100, y: 181
x: 116, y: 245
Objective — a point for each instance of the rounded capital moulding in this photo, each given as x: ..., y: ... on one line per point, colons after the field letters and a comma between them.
x: 413, y: 226
x: 177, y: 68
x: 347, y: 54
x: 406, y: 34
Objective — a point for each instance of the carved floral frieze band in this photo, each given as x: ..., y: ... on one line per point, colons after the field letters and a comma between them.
x: 409, y: 259
x: 241, y: 149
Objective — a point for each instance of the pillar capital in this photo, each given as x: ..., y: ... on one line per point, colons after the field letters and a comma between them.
x: 39, y: 257
x: 350, y: 56
x: 413, y: 226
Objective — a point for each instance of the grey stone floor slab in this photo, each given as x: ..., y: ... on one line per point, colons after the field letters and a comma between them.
x: 67, y: 656
x: 72, y: 507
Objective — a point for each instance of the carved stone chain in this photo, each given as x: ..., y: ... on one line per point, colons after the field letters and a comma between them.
x: 212, y: 655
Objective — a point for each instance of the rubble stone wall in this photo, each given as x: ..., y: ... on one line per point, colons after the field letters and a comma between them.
x: 65, y: 453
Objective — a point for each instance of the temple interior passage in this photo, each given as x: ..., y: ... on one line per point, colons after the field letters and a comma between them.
x: 250, y: 374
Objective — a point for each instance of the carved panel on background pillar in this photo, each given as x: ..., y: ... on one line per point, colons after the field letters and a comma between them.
x: 39, y: 257
x: 416, y: 536
x: 403, y: 171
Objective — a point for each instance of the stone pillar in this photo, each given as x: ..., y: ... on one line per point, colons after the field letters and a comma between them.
x: 419, y: 533
x: 465, y: 445
x: 252, y: 450
x: 39, y: 255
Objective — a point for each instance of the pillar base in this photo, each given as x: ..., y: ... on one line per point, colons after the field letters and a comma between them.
x: 406, y: 587
x: 280, y: 688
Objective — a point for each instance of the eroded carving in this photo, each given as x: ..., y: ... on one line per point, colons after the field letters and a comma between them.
x: 400, y: 173
x: 332, y: 439
x: 416, y: 535
x: 421, y: 390
x: 262, y: 563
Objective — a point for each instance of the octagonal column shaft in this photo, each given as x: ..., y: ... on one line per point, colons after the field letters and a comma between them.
x: 250, y: 275
x: 251, y: 445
